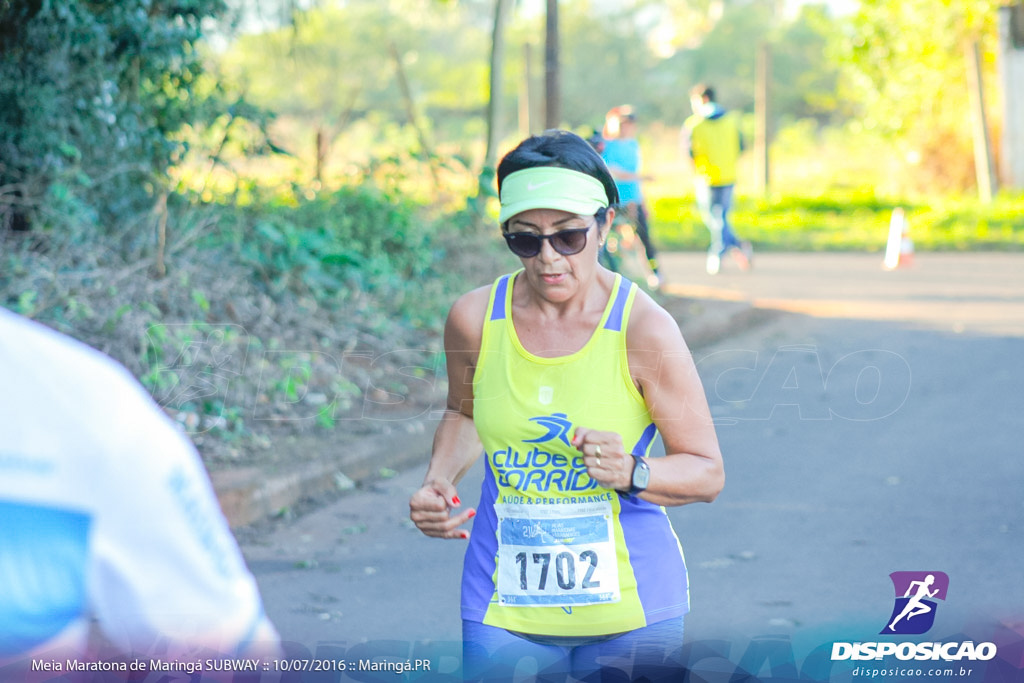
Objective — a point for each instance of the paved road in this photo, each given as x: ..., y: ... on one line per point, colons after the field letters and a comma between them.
x: 958, y: 292
x: 874, y: 429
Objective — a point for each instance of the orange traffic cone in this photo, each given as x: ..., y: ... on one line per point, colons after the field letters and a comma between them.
x: 899, y: 251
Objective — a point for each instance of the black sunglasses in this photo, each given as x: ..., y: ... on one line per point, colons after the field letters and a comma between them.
x: 565, y: 242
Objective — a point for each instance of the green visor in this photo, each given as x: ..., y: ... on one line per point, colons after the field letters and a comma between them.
x: 551, y: 187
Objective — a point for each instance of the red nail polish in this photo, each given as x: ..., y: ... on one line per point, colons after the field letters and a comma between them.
x: 465, y: 534
x: 455, y: 499
x: 472, y: 514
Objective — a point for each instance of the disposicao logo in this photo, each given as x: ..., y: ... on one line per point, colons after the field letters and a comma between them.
x: 916, y: 593
x: 913, y: 614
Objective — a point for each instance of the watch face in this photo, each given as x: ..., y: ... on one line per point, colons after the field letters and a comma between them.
x: 641, y: 475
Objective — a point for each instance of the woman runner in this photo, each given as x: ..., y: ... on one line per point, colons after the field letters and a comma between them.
x: 563, y: 374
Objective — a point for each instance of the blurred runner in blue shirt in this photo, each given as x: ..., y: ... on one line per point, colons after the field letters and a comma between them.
x: 622, y: 155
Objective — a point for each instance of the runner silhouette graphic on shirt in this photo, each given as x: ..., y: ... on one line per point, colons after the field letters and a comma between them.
x: 915, y: 606
x: 558, y: 426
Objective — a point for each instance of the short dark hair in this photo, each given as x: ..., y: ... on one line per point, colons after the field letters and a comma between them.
x: 562, y: 149
x: 703, y: 90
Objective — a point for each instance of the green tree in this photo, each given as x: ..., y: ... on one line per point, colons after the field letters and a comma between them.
x: 605, y: 62
x: 90, y: 93
x: 651, y: 53
x: 804, y: 85
x: 905, y: 63
x: 335, y: 66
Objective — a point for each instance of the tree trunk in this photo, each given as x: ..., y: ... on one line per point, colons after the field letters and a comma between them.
x: 762, y: 126
x: 496, y: 94
x: 983, y: 167
x: 526, y: 93
x: 552, y: 76
x: 410, y: 108
x: 485, y: 181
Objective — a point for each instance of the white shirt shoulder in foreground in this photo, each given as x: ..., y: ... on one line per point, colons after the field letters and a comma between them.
x: 108, y: 513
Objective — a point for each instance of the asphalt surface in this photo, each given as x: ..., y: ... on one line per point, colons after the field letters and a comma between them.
x: 961, y: 293
x: 872, y: 428
x: 254, y: 493
x: 971, y: 292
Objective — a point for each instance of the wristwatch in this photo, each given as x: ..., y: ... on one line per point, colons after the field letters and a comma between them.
x: 641, y: 476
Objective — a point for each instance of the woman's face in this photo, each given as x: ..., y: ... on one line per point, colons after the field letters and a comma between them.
x: 555, y: 276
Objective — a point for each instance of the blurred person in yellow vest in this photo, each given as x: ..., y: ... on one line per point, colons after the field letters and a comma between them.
x: 713, y: 140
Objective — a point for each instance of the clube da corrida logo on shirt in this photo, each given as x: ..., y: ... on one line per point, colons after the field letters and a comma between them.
x: 544, y: 464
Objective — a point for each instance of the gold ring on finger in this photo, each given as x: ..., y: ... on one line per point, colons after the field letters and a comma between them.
x: 597, y: 454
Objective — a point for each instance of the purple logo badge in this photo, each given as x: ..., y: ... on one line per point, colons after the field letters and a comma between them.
x: 916, y: 593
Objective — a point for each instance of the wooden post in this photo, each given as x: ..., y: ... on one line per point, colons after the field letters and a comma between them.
x: 762, y: 109
x: 321, y: 155
x: 552, y: 89
x: 159, y: 259
x: 1011, y: 75
x: 979, y: 126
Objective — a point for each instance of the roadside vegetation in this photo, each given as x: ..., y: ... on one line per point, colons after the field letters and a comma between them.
x: 267, y: 226
x: 849, y: 221
x: 284, y: 316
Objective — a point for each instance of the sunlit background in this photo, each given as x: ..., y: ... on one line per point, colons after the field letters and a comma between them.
x: 318, y: 174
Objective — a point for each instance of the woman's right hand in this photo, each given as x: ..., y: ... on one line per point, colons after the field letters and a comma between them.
x: 431, y: 508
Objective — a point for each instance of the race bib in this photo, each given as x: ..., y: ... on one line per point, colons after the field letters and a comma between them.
x: 557, y: 555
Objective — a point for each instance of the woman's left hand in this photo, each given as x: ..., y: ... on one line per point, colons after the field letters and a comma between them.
x: 606, y: 458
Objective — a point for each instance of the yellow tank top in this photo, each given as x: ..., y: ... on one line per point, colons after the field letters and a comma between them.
x: 715, y: 146
x: 551, y: 551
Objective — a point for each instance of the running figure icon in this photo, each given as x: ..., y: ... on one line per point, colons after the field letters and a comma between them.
x: 915, y: 606
x: 558, y: 426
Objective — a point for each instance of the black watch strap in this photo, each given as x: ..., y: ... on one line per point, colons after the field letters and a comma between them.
x: 640, y: 477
